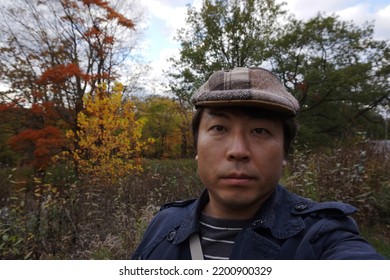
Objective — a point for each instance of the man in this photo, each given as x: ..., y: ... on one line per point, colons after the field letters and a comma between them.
x: 243, y: 129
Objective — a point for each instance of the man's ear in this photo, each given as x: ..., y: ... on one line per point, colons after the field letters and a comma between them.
x: 196, y: 157
x: 284, y: 162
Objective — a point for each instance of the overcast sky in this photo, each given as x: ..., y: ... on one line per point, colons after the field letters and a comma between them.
x: 166, y: 16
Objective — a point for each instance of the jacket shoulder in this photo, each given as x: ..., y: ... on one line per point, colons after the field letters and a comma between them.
x: 303, y: 206
x: 331, y: 208
x: 177, y: 204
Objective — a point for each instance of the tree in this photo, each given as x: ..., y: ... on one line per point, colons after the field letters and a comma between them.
x: 224, y: 34
x: 11, y: 118
x: 339, y: 74
x: 54, y: 52
x: 164, y: 126
x: 109, y: 136
x: 35, y: 132
x: 337, y: 71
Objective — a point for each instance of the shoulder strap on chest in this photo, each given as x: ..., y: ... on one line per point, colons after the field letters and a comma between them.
x: 195, y: 247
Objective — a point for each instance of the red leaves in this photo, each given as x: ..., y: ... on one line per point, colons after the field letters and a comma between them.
x: 59, y: 73
x: 43, y: 143
x: 38, y: 138
x: 111, y: 13
x: 36, y: 109
x: 86, y: 56
x: 109, y: 40
x: 46, y: 110
x: 7, y: 106
x: 92, y: 32
x: 37, y: 94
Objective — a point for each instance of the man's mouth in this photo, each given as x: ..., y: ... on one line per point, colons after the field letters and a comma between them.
x: 237, y: 178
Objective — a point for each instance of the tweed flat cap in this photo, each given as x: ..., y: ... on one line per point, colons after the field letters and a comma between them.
x: 246, y: 87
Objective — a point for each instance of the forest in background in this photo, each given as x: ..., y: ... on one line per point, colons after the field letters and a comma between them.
x: 87, y: 155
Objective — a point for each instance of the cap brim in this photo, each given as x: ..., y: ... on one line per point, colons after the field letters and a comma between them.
x: 269, y: 106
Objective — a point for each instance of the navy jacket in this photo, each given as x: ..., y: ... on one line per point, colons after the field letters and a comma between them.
x: 287, y: 227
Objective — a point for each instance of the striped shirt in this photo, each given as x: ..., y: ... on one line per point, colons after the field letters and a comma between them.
x: 217, y: 236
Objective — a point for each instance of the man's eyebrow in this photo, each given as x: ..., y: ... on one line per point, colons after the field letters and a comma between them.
x: 217, y: 113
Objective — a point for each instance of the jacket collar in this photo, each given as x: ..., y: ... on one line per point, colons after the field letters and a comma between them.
x: 275, y: 214
x: 190, y: 222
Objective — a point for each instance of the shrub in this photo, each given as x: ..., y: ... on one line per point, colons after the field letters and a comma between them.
x: 353, y: 174
x: 75, y: 219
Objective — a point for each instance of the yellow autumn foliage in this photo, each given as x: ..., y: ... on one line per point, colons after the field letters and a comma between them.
x: 108, y: 140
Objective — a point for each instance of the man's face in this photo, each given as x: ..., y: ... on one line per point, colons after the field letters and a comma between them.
x: 240, y: 161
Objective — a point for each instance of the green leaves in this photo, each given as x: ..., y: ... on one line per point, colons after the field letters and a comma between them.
x: 223, y: 35
x: 337, y: 71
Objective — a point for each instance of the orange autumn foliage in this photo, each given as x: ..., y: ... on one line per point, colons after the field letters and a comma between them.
x: 59, y: 73
x: 42, y: 143
x: 59, y: 59
x: 93, y: 31
x: 36, y: 109
x: 7, y: 106
x: 111, y: 13
x: 46, y: 111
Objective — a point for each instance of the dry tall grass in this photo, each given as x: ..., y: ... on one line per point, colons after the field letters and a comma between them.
x: 64, y: 218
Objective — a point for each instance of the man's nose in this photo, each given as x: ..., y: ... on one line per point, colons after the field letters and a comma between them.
x: 238, y: 148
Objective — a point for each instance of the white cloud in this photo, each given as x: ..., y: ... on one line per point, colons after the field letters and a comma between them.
x: 165, y: 18
x: 156, y: 83
x: 172, y: 16
x: 357, y: 11
x: 305, y: 9
x: 382, y: 23
x: 385, y: 12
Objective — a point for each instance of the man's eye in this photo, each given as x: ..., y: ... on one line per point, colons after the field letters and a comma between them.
x: 260, y: 131
x: 218, y: 128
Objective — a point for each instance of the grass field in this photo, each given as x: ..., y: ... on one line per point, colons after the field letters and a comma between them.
x: 64, y: 218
